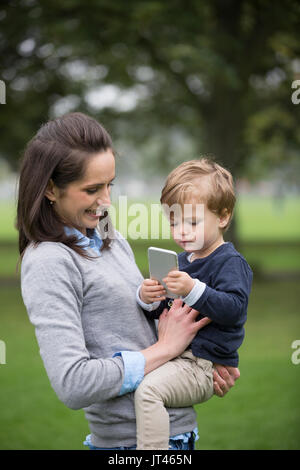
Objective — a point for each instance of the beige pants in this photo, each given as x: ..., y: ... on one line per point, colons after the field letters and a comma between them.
x: 184, y: 381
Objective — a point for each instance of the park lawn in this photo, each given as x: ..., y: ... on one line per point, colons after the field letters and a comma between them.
x: 31, y: 415
x: 265, y: 219
x: 269, y: 233
x: 261, y: 412
x: 261, y: 256
x: 258, y: 219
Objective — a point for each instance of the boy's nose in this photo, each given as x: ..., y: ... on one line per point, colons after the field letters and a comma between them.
x: 184, y: 230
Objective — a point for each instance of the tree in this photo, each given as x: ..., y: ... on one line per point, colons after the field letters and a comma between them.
x: 215, y: 76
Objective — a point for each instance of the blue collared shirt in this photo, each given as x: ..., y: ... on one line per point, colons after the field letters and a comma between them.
x: 134, y: 361
x: 92, y: 240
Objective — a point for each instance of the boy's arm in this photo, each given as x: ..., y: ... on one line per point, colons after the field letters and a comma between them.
x: 227, y: 302
x: 153, y: 310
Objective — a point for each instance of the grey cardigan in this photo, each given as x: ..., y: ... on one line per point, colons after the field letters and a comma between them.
x: 84, y: 311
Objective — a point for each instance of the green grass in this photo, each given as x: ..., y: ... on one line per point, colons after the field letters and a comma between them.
x: 263, y: 257
x: 31, y: 416
x: 267, y: 219
x: 258, y: 218
x: 7, y: 221
x: 268, y: 258
x: 261, y: 412
x: 269, y: 233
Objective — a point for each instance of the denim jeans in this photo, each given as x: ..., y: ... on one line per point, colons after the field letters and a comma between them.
x: 174, y: 444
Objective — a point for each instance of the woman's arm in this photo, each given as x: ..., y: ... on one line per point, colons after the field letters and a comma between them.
x: 176, y: 329
x: 52, y: 289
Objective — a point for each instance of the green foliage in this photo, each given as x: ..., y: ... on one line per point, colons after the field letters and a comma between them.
x: 211, y: 77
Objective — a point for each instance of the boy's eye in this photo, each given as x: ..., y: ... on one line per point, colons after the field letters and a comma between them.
x: 196, y: 222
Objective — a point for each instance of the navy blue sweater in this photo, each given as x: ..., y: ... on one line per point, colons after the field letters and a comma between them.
x: 228, y: 279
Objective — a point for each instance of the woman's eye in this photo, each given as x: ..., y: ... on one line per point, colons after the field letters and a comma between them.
x: 91, y: 191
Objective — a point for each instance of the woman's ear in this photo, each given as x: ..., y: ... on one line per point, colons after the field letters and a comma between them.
x: 50, y: 192
x: 224, y: 218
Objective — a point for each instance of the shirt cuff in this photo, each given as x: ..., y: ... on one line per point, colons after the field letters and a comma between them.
x: 185, y: 437
x: 134, y: 370
x: 195, y: 293
x: 148, y: 307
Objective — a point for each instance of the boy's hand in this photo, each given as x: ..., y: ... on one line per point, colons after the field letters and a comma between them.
x: 179, y: 282
x: 151, y: 291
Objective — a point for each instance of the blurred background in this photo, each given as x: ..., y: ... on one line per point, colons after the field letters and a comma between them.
x: 170, y: 81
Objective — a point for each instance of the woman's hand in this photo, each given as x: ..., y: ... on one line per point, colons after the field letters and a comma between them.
x: 176, y: 329
x: 224, y: 378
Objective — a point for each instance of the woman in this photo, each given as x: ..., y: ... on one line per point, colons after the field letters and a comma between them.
x: 79, y: 287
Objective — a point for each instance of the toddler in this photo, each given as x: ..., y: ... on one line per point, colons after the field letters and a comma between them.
x: 213, y: 278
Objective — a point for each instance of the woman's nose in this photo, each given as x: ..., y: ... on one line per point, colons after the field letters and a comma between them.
x: 104, y: 198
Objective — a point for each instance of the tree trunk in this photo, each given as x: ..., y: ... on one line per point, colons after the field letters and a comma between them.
x: 224, y: 126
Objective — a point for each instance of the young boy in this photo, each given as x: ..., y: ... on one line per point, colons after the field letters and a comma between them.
x: 213, y: 278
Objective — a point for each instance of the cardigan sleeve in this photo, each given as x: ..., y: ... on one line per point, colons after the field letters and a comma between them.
x: 227, y: 300
x: 52, y: 291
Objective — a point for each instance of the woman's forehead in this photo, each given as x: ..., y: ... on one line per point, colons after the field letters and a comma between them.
x: 99, y: 169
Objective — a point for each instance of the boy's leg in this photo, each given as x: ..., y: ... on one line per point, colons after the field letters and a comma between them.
x: 182, y: 382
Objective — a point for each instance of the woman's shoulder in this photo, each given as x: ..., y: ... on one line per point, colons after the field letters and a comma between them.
x: 50, y: 260
x: 50, y: 251
x: 119, y: 239
x: 122, y: 244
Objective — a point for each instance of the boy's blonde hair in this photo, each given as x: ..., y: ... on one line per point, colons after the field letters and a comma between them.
x: 203, y: 180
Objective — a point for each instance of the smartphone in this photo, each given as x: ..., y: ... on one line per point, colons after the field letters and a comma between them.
x: 161, y: 262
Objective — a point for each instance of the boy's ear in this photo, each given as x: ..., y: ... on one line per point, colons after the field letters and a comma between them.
x: 224, y: 218
x: 50, y: 192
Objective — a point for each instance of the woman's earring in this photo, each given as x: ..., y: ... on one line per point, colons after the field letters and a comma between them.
x: 51, y: 202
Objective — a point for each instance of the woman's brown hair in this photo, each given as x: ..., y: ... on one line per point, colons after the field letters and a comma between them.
x: 59, y: 151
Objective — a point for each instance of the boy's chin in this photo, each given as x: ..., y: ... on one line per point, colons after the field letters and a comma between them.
x: 188, y: 247
x: 191, y: 247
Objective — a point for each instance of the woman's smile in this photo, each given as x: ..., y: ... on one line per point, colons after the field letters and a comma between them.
x: 94, y: 213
